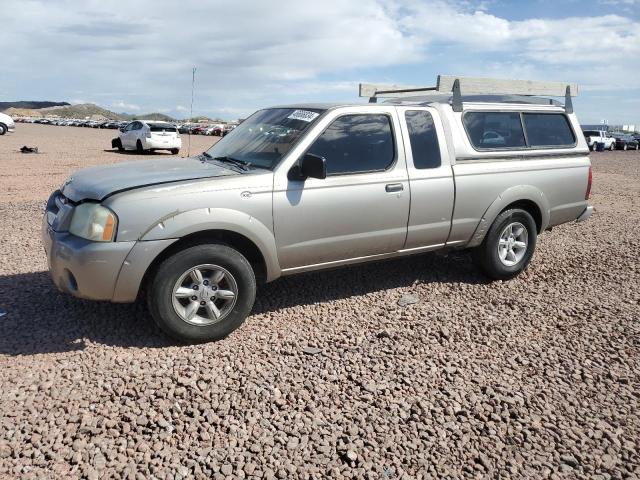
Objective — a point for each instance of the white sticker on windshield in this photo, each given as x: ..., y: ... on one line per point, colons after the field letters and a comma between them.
x: 304, y: 115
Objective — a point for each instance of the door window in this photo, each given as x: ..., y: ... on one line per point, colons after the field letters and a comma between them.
x: 423, y: 138
x: 356, y: 144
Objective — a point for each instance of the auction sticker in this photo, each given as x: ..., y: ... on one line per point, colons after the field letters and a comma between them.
x: 304, y: 115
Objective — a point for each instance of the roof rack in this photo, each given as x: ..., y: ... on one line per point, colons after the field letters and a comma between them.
x: 476, y: 86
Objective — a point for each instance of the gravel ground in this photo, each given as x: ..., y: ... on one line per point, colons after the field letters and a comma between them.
x: 330, y: 376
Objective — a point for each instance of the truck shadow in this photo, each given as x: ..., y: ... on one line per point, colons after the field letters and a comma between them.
x: 39, y: 319
x: 133, y: 152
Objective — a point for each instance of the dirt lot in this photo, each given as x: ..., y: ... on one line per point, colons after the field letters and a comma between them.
x: 537, y: 377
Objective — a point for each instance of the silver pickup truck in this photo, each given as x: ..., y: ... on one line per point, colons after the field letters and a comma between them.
x: 471, y: 163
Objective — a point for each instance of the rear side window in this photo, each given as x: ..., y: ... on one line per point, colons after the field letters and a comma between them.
x: 494, y: 129
x: 548, y: 130
x: 423, y: 138
x: 356, y: 144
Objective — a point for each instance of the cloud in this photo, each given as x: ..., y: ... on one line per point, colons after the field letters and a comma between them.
x: 251, y: 54
x: 123, y: 106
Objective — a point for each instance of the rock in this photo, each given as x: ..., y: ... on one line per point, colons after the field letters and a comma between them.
x: 408, y: 299
x: 570, y: 460
x: 311, y: 350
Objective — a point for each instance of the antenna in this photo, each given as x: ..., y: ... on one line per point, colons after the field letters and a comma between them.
x: 193, y: 86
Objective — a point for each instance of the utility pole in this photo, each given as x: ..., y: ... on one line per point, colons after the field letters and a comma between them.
x: 193, y: 85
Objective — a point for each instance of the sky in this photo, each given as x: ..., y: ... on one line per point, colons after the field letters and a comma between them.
x: 137, y: 56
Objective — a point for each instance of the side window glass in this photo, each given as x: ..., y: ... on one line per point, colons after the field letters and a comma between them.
x: 494, y: 129
x: 356, y: 144
x: 423, y: 138
x: 548, y: 129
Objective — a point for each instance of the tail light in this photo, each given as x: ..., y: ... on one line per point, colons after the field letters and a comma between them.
x: 148, y: 134
x: 588, y: 192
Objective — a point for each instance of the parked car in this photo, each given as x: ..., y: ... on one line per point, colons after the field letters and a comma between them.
x: 625, y: 142
x: 593, y: 137
x: 215, y: 130
x: 308, y: 187
x: 6, y: 124
x: 145, y: 135
x: 228, y: 128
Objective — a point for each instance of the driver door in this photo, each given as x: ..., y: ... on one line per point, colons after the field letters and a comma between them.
x: 361, y: 209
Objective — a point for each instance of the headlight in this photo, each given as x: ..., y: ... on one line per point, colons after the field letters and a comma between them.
x: 94, y: 222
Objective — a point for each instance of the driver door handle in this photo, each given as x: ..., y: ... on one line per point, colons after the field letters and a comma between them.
x: 394, y: 187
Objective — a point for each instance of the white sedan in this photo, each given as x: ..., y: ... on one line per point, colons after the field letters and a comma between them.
x: 147, y: 135
x: 6, y: 124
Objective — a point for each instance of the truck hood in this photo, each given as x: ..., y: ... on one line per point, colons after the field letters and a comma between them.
x: 97, y: 183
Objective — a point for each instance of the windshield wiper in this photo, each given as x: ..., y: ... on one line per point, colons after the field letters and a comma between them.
x: 242, y: 164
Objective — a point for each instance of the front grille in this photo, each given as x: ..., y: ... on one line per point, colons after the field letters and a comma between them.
x: 59, y: 212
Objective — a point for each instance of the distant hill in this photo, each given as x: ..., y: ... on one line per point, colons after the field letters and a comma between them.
x: 158, y: 117
x: 84, y: 110
x: 32, y: 104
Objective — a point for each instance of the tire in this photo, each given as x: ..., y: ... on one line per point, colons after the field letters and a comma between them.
x: 594, y: 147
x: 612, y: 147
x: 117, y: 143
x: 487, y: 255
x: 3, y: 129
x: 210, y: 260
x: 139, y: 148
x: 174, y: 151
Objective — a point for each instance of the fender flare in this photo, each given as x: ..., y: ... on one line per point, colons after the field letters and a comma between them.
x: 180, y: 224
x: 509, y: 196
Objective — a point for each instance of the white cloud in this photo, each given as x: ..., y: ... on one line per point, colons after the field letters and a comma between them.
x: 120, y: 105
x: 251, y: 54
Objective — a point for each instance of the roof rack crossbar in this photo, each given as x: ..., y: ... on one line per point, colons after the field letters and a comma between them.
x: 476, y: 86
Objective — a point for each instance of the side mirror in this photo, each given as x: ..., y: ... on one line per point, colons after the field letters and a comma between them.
x: 311, y: 165
x: 121, y: 129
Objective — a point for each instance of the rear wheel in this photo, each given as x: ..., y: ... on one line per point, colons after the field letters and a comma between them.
x: 509, y: 245
x: 202, y: 293
x: 613, y: 146
x: 3, y: 129
x: 139, y: 148
x: 174, y: 151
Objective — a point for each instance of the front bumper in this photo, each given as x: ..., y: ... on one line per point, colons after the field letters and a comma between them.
x: 11, y: 128
x: 584, y: 216
x: 81, y: 267
x: 95, y: 270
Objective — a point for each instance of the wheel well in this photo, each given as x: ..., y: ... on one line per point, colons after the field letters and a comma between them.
x: 232, y: 239
x: 531, y: 208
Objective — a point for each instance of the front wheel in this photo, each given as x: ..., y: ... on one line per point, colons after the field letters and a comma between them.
x: 509, y: 245
x: 202, y: 293
x: 3, y: 129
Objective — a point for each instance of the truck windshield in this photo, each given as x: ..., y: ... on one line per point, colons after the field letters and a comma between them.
x: 266, y: 136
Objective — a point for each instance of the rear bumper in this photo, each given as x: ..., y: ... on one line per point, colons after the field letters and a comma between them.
x: 584, y: 216
x: 150, y: 143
